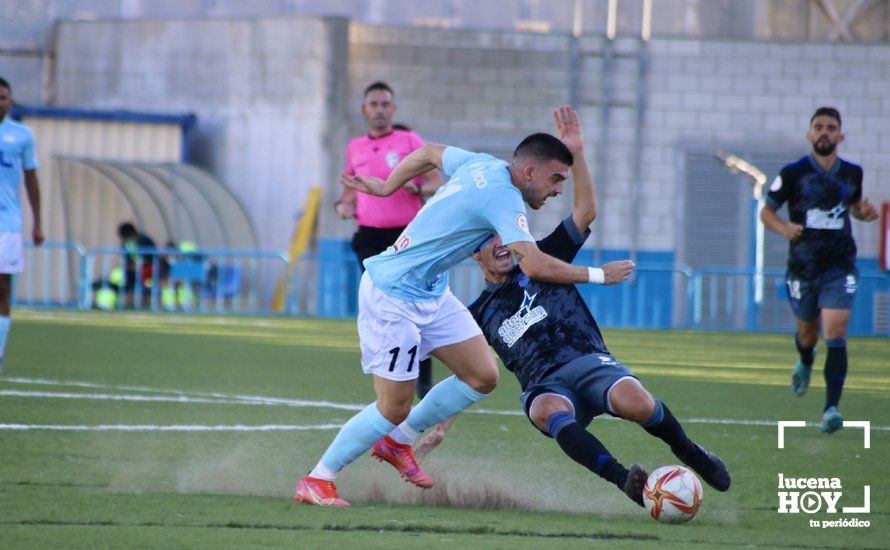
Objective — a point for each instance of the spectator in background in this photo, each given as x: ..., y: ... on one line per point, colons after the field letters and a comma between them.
x: 381, y: 220
x: 16, y: 158
x: 133, y: 241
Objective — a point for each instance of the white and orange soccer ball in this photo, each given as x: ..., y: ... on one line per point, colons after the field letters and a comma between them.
x: 672, y: 494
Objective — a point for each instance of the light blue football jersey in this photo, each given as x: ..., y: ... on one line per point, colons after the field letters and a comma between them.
x: 477, y: 202
x: 16, y: 154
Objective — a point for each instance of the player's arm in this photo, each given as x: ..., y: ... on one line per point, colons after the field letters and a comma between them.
x: 418, y: 162
x: 568, y: 128
x: 773, y: 222
x: 541, y: 267
x: 32, y: 187
x: 864, y: 211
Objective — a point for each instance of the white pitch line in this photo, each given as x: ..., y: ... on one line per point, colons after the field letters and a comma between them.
x: 168, y: 428
x: 123, y: 397
x: 217, y: 395
x: 181, y: 396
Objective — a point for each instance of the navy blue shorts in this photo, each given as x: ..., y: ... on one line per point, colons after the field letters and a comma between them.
x: 833, y: 289
x: 585, y: 381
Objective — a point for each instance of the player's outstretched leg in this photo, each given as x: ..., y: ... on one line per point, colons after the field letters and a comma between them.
x: 664, y: 426
x: 630, y: 400
x: 800, y: 376
x: 585, y: 449
x: 835, y: 374
x: 553, y: 414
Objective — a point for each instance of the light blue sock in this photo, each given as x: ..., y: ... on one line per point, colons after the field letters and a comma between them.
x: 444, y: 400
x: 355, y: 437
x: 4, y: 332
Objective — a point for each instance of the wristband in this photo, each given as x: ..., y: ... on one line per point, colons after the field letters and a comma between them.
x: 596, y: 275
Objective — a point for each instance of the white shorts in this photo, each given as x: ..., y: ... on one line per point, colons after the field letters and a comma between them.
x: 396, y: 334
x: 11, y: 257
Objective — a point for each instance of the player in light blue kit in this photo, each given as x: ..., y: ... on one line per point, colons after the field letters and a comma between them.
x: 407, y: 313
x: 16, y: 157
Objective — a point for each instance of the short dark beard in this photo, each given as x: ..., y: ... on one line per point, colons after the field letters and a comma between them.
x: 824, y: 150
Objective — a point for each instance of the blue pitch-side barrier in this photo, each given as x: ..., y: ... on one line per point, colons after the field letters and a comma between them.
x: 220, y: 281
x: 325, y: 284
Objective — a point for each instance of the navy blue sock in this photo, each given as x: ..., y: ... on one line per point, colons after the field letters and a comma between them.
x: 662, y: 424
x: 835, y: 370
x: 806, y: 355
x: 585, y: 449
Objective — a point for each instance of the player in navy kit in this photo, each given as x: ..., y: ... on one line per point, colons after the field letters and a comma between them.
x: 822, y: 192
x: 545, y: 334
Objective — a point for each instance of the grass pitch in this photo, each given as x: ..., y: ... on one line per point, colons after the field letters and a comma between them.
x: 132, y: 430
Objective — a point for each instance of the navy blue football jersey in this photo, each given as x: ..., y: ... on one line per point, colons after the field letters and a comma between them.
x: 819, y: 200
x: 535, y: 326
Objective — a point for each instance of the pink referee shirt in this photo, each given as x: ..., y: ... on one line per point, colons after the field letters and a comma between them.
x: 376, y: 157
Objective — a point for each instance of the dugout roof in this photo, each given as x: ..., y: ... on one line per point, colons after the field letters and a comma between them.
x: 167, y: 201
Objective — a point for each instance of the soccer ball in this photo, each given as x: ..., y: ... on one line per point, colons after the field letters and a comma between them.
x: 672, y: 494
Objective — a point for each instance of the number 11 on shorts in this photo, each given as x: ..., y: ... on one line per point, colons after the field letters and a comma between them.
x: 395, y: 357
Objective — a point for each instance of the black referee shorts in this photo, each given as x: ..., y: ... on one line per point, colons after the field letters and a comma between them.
x: 370, y: 241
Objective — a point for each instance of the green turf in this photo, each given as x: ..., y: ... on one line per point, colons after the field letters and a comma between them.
x: 87, y: 489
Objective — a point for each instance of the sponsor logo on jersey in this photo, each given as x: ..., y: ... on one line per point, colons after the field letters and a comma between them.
x: 826, y: 219
x: 401, y: 243
x: 512, y: 329
x: 392, y: 159
x: 522, y: 223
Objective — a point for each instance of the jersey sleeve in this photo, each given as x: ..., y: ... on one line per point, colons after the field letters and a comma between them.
x: 507, y: 218
x: 453, y: 158
x: 29, y: 158
x: 565, y: 241
x: 780, y: 189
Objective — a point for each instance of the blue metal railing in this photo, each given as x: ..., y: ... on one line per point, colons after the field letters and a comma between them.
x: 156, y: 279
x: 325, y: 284
x: 50, y: 277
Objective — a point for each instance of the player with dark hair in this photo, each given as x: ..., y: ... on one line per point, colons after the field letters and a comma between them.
x: 822, y: 192
x: 380, y: 220
x: 406, y: 311
x: 547, y: 337
x: 17, y: 161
